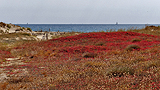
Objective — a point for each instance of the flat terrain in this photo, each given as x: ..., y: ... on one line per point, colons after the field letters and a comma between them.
x: 97, y: 60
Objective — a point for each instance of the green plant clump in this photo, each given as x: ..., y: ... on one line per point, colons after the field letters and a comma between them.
x: 26, y: 34
x: 2, y: 24
x: 136, y: 40
x: 120, y: 71
x: 132, y: 47
x: 1, y: 31
x: 29, y: 29
x: 8, y: 26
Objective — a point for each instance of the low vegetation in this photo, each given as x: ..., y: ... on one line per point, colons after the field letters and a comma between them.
x: 136, y: 40
x: 29, y: 29
x: 132, y: 47
x: 8, y: 26
x: 66, y: 34
x: 96, y: 60
x: 11, y: 35
x: 153, y: 30
x: 2, y: 24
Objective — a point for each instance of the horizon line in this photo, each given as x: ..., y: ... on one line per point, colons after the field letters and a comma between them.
x: 85, y: 23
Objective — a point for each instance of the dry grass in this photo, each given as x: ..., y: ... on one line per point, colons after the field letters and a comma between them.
x: 11, y: 41
x: 11, y: 35
x: 66, y: 34
x: 152, y: 30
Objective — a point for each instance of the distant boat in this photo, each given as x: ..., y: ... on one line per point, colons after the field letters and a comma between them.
x: 27, y: 23
x: 116, y: 23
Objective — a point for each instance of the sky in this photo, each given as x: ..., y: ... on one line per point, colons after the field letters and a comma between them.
x: 80, y: 11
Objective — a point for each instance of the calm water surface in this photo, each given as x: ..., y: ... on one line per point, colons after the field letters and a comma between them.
x: 82, y: 27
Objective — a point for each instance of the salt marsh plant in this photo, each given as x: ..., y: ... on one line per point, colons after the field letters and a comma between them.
x: 120, y: 71
x: 136, y: 40
x: 132, y: 47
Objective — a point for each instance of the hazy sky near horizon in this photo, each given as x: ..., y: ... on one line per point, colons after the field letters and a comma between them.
x: 80, y: 11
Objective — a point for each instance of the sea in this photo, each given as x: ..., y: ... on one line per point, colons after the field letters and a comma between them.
x: 83, y: 27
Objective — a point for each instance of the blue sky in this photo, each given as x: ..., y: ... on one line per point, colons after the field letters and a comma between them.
x: 80, y: 11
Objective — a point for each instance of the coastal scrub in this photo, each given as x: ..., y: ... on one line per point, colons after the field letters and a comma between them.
x: 97, y: 60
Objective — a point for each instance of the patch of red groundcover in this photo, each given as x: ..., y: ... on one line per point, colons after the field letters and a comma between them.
x: 101, y: 41
x: 96, y: 42
x: 63, y: 61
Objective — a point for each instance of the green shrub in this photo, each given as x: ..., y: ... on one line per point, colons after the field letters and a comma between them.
x: 120, y: 71
x: 8, y: 26
x: 99, y: 44
x: 26, y: 34
x: 136, y: 40
x: 2, y: 24
x: 1, y: 31
x: 131, y: 47
x: 29, y: 29
x: 18, y: 30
